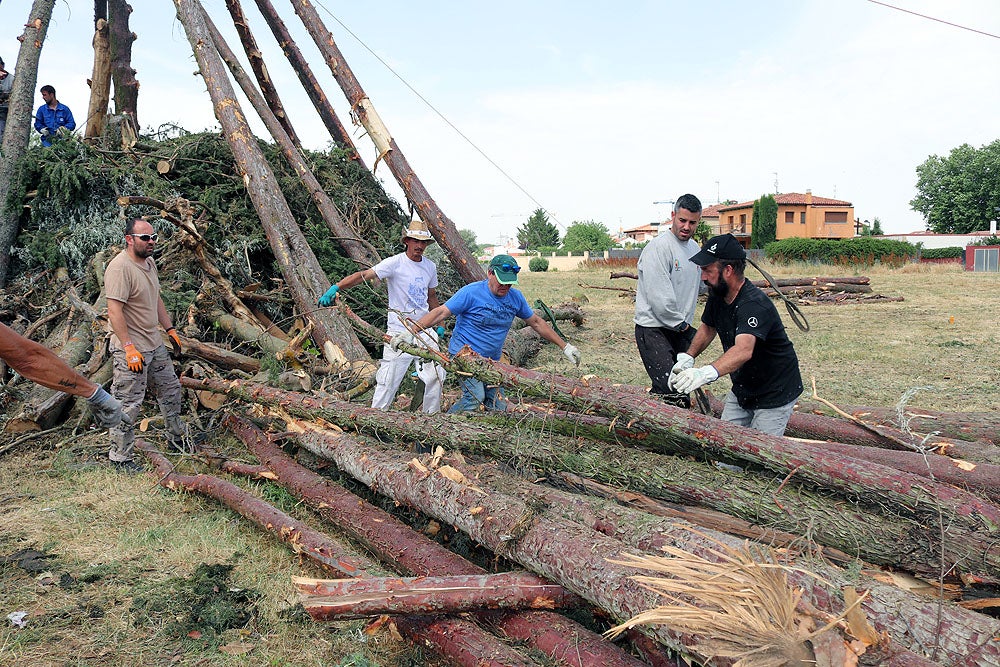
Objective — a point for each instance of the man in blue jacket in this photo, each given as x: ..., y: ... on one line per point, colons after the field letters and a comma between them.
x: 51, y: 116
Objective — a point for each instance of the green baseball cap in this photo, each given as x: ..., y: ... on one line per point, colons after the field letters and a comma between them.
x: 505, y: 268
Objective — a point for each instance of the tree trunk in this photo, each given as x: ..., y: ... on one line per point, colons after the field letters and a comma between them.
x: 959, y: 425
x: 881, y: 537
x: 256, y: 59
x: 462, y: 640
x: 100, y: 82
x: 356, y: 248
x: 300, y: 269
x: 219, y: 356
x: 821, y: 427
x: 121, y: 38
x: 19, y: 119
x: 814, y: 290
x: 413, y: 552
x: 316, y: 95
x: 440, y: 225
x: 684, y: 432
x: 341, y: 599
x: 301, y: 538
x: 818, y: 280
x: 581, y: 559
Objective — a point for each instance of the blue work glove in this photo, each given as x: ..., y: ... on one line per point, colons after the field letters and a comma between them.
x: 440, y: 331
x: 328, y: 296
x: 107, y: 410
x: 690, y: 379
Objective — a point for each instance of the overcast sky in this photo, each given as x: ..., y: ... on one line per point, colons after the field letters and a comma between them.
x: 597, y: 109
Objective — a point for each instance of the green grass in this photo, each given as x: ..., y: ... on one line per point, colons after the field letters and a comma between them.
x: 118, y: 536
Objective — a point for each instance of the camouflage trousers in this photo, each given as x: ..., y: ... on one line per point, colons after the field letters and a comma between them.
x: 129, y: 387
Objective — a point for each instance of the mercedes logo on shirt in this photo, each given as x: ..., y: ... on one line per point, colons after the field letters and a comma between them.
x: 752, y: 322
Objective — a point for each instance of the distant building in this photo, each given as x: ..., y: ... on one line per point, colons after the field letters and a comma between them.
x: 799, y: 215
x: 641, y: 234
x: 932, y: 240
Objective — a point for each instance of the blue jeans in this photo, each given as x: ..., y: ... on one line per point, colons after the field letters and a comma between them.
x: 768, y: 420
x: 475, y: 394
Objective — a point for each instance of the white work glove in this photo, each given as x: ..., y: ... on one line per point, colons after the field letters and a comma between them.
x: 107, y: 410
x: 690, y: 379
x: 684, y: 362
x: 572, y: 353
x: 402, y: 337
x: 44, y: 132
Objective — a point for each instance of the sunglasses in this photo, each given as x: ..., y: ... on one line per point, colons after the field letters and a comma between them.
x: 508, y: 268
x: 145, y: 237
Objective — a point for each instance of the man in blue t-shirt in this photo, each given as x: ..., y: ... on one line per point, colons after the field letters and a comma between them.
x: 484, y: 312
x: 757, y: 354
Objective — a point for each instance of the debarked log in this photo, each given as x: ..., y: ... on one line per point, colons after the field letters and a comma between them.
x: 392, y: 540
x: 461, y: 640
x: 338, y: 599
x: 876, y: 534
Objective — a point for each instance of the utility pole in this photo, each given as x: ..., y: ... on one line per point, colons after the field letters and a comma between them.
x: 718, y: 199
x: 775, y: 182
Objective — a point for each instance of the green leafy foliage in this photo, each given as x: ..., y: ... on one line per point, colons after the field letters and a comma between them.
x: 538, y: 264
x: 942, y: 253
x: 989, y: 240
x: 537, y: 232
x: 765, y: 221
x: 960, y: 193
x: 74, y: 214
x: 858, y: 251
x: 588, y: 235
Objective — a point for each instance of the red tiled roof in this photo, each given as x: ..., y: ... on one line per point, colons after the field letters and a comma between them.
x: 711, y: 211
x: 791, y: 199
x: 648, y: 227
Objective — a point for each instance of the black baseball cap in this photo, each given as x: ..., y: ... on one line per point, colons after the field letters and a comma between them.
x: 724, y: 246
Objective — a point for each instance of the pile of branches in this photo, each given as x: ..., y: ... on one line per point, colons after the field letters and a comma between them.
x: 674, y: 525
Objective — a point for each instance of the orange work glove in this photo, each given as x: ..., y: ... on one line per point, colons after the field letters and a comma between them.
x: 175, y: 341
x: 133, y: 358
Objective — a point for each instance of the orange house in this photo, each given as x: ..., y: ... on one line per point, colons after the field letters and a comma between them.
x: 801, y: 215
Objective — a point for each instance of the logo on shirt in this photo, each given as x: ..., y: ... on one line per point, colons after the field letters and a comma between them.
x: 752, y: 322
x: 677, y: 264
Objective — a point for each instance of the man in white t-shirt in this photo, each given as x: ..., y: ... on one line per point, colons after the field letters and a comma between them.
x: 411, y: 280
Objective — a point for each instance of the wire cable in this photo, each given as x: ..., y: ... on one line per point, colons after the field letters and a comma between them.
x: 440, y: 115
x: 931, y: 18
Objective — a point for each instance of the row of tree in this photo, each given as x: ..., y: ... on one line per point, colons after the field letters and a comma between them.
x: 539, y: 233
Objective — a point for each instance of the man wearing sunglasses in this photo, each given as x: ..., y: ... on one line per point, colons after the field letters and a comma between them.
x: 135, y: 311
x: 484, y: 312
x: 665, y: 298
x: 411, y: 280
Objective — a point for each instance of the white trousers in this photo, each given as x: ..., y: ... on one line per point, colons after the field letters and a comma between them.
x: 393, y: 368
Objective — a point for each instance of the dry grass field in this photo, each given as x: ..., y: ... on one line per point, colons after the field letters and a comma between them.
x: 121, y: 546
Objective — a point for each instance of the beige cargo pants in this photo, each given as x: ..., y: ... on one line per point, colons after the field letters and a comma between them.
x: 130, y: 388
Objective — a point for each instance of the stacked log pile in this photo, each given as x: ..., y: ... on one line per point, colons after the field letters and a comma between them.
x: 806, y: 291
x: 800, y: 495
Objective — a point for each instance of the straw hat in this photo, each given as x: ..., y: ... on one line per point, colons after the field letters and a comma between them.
x: 418, y: 230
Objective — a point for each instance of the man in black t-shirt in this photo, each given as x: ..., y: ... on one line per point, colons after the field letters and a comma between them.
x: 757, y: 353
